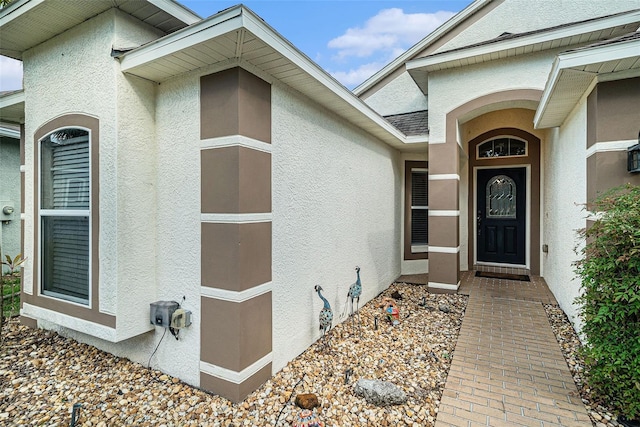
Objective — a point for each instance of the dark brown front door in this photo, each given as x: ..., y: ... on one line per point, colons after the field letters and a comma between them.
x: 501, y: 215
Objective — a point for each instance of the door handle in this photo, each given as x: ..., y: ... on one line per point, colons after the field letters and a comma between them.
x: 479, y: 221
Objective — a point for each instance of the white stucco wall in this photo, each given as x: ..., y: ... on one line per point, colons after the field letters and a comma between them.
x: 564, y: 196
x: 79, y: 74
x: 10, y: 192
x: 518, y: 16
x: 336, y: 204
x: 453, y: 88
x: 401, y: 95
x: 137, y: 172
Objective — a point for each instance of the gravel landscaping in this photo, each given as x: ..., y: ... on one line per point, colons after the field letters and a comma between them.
x: 42, y: 375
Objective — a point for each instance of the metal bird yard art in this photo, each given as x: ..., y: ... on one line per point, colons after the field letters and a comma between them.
x: 326, y: 314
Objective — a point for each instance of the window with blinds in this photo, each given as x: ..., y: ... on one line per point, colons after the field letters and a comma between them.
x: 419, y: 206
x: 64, y: 214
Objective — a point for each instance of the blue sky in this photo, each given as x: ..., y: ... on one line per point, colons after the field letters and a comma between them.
x: 351, y: 39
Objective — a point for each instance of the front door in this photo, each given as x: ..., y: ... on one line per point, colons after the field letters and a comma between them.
x: 501, y: 215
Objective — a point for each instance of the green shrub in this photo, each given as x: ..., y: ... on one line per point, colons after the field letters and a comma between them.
x: 610, y: 302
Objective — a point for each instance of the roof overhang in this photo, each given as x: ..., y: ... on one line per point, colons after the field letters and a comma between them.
x: 27, y: 23
x: 581, y: 33
x: 12, y: 107
x: 421, y: 45
x: 237, y: 36
x: 6, y: 132
x: 574, y: 72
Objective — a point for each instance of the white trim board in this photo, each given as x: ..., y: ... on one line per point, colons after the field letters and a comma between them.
x: 236, y: 296
x: 448, y: 286
x: 94, y: 329
x: 603, y: 147
x: 241, y: 218
x: 235, y: 376
x: 235, y: 141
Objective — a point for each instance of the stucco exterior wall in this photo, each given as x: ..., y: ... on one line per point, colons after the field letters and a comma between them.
x: 125, y: 108
x: 401, y: 95
x: 453, y: 88
x: 10, y: 192
x: 84, y: 53
x: 336, y: 204
x: 564, y: 194
x: 509, y: 17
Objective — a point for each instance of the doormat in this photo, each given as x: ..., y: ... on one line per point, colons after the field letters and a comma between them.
x: 505, y: 276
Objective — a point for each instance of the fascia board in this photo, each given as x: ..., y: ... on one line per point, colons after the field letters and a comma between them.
x: 177, y: 10
x: 17, y: 9
x: 202, y: 31
x: 11, y: 99
x: 581, y: 58
x: 9, y: 133
x: 431, y: 62
x: 238, y: 18
x: 421, y: 45
x: 257, y: 26
x: 551, y: 84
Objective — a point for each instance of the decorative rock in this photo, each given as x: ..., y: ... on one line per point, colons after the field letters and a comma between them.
x: 444, y: 308
x: 307, y: 401
x: 380, y: 393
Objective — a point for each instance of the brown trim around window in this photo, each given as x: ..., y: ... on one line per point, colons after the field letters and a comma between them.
x: 92, y: 313
x: 408, y: 166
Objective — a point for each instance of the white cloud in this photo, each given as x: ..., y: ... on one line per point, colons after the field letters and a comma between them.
x: 355, y: 76
x: 10, y: 74
x: 389, y: 30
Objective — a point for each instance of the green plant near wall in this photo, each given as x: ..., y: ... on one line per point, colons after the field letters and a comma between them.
x: 610, y: 301
x: 13, y: 264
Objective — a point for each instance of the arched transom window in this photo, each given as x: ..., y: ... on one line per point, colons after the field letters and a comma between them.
x: 504, y: 146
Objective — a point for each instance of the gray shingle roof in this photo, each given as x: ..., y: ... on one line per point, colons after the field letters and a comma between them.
x: 411, y: 124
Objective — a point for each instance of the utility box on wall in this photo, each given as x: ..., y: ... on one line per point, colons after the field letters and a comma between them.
x: 6, y: 211
x: 161, y: 312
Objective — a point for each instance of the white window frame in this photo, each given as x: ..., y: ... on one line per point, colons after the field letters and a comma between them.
x: 62, y: 213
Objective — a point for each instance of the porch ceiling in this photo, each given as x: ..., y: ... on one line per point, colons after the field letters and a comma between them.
x: 12, y: 107
x: 27, y: 23
x: 581, y: 33
x: 575, y: 71
x: 237, y: 36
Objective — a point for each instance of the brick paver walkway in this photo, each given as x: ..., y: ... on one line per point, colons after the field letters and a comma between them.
x: 507, y: 368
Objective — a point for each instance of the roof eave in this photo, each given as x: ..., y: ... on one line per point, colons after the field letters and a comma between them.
x: 12, y: 107
x: 421, y: 45
x: 567, y: 82
x: 238, y: 18
x: 448, y: 60
x: 22, y: 12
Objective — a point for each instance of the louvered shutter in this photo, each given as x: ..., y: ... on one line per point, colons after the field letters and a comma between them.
x: 65, y: 238
x: 419, y: 207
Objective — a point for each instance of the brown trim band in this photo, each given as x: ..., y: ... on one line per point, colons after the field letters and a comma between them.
x: 234, y: 180
x: 90, y: 314
x: 244, y: 328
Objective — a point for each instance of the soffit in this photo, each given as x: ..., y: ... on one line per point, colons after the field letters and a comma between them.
x: 238, y: 36
x: 574, y: 72
x: 12, y: 107
x: 576, y: 34
x: 27, y: 23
